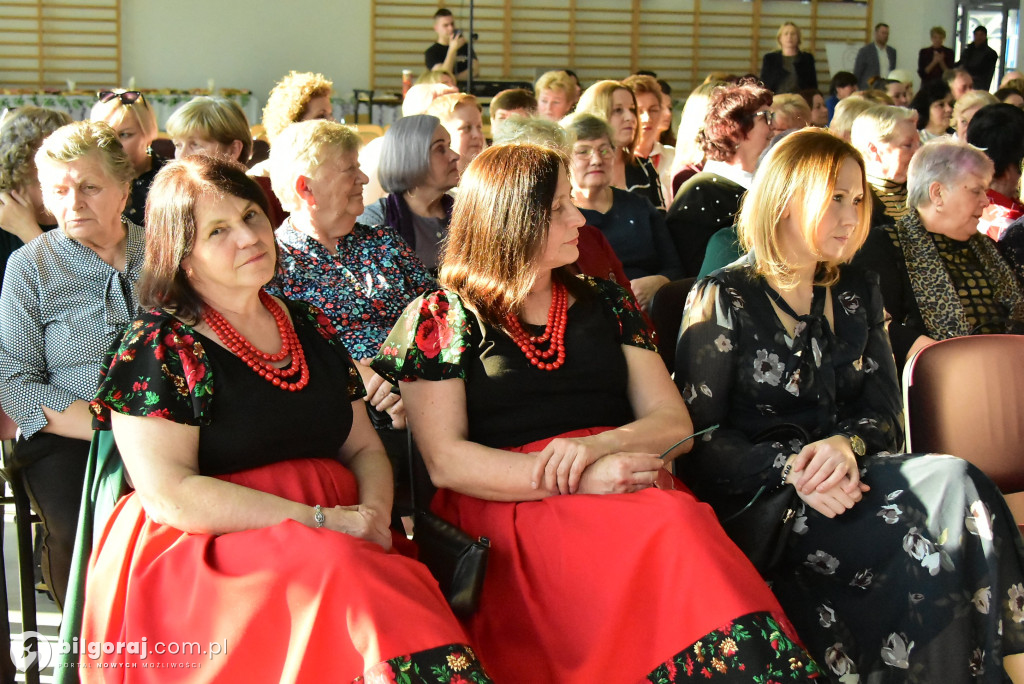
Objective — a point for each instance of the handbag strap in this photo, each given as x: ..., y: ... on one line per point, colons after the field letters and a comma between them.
x: 411, y: 461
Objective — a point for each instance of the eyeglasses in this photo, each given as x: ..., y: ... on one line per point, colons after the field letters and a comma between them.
x: 128, y: 97
x: 604, y: 152
x: 768, y: 115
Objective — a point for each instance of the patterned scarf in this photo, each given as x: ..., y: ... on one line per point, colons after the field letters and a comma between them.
x: 935, y: 291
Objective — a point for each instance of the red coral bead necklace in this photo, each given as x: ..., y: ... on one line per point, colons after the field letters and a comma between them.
x: 260, y: 361
x: 553, y: 335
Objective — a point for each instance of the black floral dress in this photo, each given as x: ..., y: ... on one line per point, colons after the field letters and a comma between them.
x: 588, y: 588
x: 921, y: 581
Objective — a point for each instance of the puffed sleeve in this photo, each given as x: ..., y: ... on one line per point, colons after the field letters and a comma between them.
x: 428, y: 340
x: 725, y: 462
x: 315, y: 316
x: 157, y: 368
x: 633, y: 327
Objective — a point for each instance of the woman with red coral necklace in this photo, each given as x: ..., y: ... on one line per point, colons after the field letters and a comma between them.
x: 260, y: 516
x: 541, y: 409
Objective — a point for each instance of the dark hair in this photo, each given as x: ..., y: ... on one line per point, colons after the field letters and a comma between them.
x: 171, y: 227
x: 808, y: 95
x: 442, y: 13
x: 500, y: 226
x: 930, y: 92
x: 514, y: 98
x: 1003, y: 93
x: 665, y: 87
x: 645, y: 72
x: 842, y: 79
x: 982, y: 29
x: 730, y: 117
x: 998, y: 129
x: 880, y: 25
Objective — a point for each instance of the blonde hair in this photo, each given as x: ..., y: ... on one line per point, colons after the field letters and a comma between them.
x: 800, y: 170
x: 691, y: 121
x: 845, y: 114
x: 79, y: 139
x: 597, y: 100
x: 444, y: 107
x: 556, y: 80
x: 533, y: 130
x: 301, y: 149
x: 114, y: 112
x: 288, y: 100
x: 878, y: 123
x: 792, y: 106
x: 778, y: 34
x: 970, y: 99
x: 217, y: 118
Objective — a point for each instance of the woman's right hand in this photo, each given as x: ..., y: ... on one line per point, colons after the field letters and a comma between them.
x: 360, y: 521
x: 18, y: 216
x: 621, y: 473
x: 834, y: 500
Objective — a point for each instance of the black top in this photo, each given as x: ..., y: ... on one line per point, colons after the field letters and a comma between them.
x: 436, y: 54
x: 136, y: 209
x: 636, y: 231
x: 773, y: 71
x: 162, y: 367
x: 642, y: 179
x: 704, y: 205
x: 924, y: 58
x: 738, y: 367
x: 980, y: 62
x: 10, y: 242
x: 508, y: 401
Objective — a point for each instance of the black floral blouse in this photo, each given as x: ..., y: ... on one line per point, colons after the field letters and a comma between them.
x: 510, y: 402
x: 162, y: 367
x: 738, y: 367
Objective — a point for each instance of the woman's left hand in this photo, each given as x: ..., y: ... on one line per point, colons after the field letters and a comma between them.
x: 825, y: 464
x: 378, y: 390
x: 562, y: 462
x: 364, y: 522
x: 644, y: 289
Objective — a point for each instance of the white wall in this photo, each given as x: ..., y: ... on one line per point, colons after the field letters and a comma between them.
x: 182, y: 43
x: 251, y: 44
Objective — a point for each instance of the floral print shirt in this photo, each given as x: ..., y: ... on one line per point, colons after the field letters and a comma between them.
x: 362, y: 288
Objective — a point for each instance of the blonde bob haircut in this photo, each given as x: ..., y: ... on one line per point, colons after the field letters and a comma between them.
x: 288, y: 100
x: 114, y: 112
x: 301, y: 149
x: 597, y: 100
x: 800, y: 171
x: 499, y: 228
x: 82, y: 138
x: 846, y: 114
x: 778, y: 34
x: 558, y: 81
x: 878, y: 123
x: 444, y: 106
x: 215, y: 118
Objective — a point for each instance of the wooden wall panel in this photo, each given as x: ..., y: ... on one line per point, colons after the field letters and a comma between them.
x: 46, y: 43
x: 521, y: 39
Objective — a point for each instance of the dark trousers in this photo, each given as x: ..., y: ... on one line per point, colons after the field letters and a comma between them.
x: 52, y: 469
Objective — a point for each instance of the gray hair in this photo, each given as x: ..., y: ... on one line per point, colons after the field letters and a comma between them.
x: 405, y: 153
x: 300, y: 149
x: 530, y: 129
x: 878, y: 123
x: 583, y: 126
x: 943, y: 161
x: 79, y: 139
x: 22, y: 132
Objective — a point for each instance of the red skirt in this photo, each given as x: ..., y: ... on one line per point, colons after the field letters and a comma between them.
x: 285, y: 603
x: 589, y: 588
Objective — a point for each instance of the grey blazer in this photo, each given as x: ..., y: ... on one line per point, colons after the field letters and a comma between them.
x: 866, y: 65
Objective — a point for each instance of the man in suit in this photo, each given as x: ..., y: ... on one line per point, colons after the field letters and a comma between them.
x: 875, y: 59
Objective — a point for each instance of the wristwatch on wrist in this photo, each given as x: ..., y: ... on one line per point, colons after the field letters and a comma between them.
x: 318, y: 516
x: 857, y: 444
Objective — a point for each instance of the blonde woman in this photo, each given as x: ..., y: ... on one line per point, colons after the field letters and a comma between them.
x: 788, y: 69
x: 902, y: 564
x: 555, y: 92
x: 129, y: 114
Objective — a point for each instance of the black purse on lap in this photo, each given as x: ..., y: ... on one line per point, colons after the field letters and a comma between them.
x: 456, y: 560
x: 762, y: 528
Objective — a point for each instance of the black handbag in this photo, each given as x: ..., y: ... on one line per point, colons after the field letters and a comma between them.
x: 456, y: 560
x: 762, y: 527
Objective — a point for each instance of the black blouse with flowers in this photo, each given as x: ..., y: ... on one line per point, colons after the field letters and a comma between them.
x: 163, y: 367
x: 510, y: 402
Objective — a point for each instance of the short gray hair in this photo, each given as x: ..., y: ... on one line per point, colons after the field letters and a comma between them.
x: 81, y: 138
x: 878, y: 123
x: 300, y: 149
x: 943, y: 161
x: 583, y: 126
x: 405, y: 153
x: 530, y: 129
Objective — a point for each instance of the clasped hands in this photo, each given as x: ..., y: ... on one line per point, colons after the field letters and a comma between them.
x: 362, y: 521
x: 826, y: 476
x: 584, y: 465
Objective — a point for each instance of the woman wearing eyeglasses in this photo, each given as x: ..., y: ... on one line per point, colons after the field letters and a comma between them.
x: 737, y: 128
x: 128, y: 113
x: 630, y: 223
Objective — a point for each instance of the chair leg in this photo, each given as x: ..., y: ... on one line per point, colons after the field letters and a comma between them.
x: 26, y: 575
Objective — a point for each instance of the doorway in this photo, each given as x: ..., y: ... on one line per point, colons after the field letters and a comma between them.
x: 1001, y: 19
